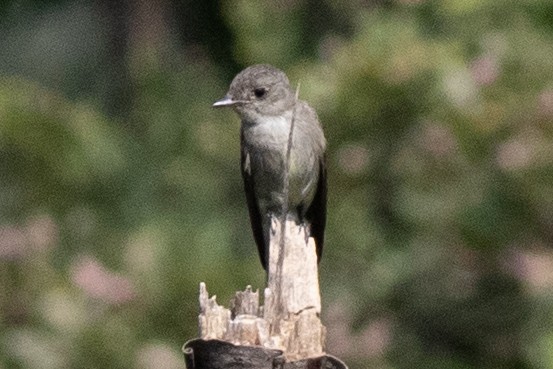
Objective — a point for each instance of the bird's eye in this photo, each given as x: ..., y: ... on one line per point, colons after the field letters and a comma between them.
x: 260, y: 92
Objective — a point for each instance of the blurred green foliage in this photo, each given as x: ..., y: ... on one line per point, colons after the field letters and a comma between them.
x: 120, y: 188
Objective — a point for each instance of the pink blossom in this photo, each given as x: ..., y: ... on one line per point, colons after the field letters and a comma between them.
x: 42, y: 232
x: 99, y: 283
x: 353, y: 159
x: 17, y: 242
x: 534, y: 266
x: 514, y: 154
x: 438, y: 140
x: 485, y: 70
x: 13, y: 242
x: 545, y: 103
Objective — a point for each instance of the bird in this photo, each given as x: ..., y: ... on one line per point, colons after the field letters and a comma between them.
x: 279, y: 177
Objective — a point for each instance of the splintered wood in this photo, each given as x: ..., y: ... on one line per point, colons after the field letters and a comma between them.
x: 289, y: 320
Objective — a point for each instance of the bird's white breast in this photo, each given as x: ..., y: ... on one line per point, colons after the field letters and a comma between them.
x: 270, y: 132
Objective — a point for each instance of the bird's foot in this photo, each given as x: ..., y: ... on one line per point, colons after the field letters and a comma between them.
x: 306, y: 229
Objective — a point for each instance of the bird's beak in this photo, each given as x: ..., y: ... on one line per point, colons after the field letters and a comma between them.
x: 225, y: 101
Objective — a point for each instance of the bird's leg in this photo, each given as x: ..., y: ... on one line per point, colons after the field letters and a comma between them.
x: 306, y: 229
x: 303, y: 225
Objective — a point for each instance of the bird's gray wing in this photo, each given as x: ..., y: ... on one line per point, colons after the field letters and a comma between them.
x: 255, y: 215
x: 316, y: 214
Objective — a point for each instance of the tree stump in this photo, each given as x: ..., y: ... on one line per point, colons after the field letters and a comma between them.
x: 286, y: 331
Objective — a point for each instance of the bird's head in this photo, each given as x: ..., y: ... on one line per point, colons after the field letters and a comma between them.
x: 259, y: 90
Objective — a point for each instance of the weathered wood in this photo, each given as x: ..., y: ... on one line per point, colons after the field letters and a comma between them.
x: 245, y: 303
x: 213, y: 319
x: 292, y: 298
x: 293, y: 275
x: 289, y: 320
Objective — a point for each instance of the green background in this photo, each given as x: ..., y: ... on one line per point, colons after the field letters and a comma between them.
x: 120, y: 187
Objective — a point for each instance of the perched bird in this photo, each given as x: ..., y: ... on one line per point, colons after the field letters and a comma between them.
x: 268, y: 108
